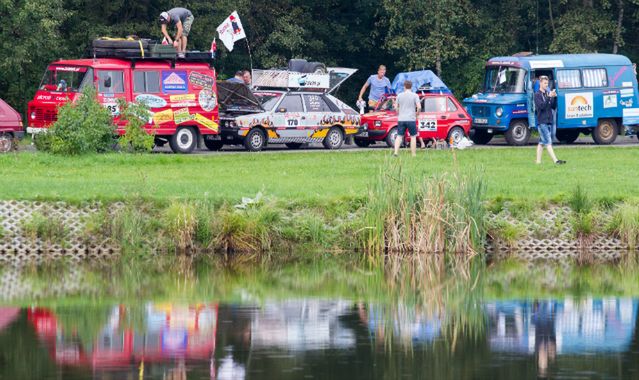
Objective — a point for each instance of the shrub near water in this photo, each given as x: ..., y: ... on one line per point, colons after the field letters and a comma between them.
x: 82, y: 127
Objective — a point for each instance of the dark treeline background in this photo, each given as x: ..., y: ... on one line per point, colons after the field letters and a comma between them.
x: 452, y: 37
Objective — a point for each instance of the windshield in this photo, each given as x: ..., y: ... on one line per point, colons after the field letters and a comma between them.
x: 268, y: 99
x: 66, y: 78
x: 504, y: 79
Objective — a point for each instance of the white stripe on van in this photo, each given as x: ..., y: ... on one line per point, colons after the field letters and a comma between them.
x: 549, y: 64
x: 630, y: 112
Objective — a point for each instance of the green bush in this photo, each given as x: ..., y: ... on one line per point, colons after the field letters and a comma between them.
x: 135, y: 138
x: 84, y: 126
x: 45, y: 227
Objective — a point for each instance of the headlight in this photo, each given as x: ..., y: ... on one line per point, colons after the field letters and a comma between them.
x: 33, y: 115
x: 499, y: 111
x: 378, y: 123
x: 364, y: 126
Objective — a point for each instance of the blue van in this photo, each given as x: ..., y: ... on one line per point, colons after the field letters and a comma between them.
x: 596, y: 94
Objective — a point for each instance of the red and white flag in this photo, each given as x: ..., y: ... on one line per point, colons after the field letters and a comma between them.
x: 231, y: 30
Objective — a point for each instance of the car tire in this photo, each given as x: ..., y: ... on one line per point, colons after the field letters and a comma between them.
x: 605, y: 133
x: 315, y: 68
x: 297, y: 65
x: 213, y: 145
x: 518, y: 134
x: 6, y: 142
x: 456, y: 134
x: 391, y: 136
x: 184, y: 140
x: 294, y: 145
x: 120, y: 44
x: 567, y: 136
x: 362, y: 143
x: 334, y: 139
x: 255, y: 140
x: 481, y: 137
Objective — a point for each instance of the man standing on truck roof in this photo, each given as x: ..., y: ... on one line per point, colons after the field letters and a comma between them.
x: 408, y: 105
x: 545, y: 103
x: 378, y: 84
x: 182, y: 18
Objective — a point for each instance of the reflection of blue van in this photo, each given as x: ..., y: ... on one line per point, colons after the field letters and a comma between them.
x: 596, y: 94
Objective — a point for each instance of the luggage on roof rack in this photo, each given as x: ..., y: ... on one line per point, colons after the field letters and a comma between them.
x: 132, y: 48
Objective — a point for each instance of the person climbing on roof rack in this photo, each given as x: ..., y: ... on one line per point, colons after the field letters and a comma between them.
x: 182, y: 18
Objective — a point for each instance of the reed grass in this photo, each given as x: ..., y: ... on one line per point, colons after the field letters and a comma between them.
x: 625, y: 224
x: 46, y: 227
x: 180, y: 222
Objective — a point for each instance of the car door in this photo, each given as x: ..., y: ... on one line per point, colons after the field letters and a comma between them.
x: 110, y: 89
x: 433, y: 121
x: 320, y: 114
x: 288, y: 118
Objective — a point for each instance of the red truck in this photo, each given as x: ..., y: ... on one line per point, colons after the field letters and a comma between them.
x: 11, y: 128
x: 442, y: 117
x: 181, y: 95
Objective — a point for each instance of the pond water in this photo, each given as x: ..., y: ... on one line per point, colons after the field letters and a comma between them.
x: 321, y: 338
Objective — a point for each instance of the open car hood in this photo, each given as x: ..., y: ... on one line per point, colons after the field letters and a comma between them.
x: 237, y: 97
x: 338, y: 76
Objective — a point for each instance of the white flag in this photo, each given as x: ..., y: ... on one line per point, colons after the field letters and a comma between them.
x: 231, y: 30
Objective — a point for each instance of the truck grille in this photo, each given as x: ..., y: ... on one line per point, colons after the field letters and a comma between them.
x: 46, y: 115
x: 480, y: 111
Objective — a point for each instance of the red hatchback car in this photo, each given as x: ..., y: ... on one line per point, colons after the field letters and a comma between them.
x: 442, y: 117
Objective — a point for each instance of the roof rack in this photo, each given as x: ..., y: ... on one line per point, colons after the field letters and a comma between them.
x: 290, y: 80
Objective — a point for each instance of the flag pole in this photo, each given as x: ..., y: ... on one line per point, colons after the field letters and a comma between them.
x: 248, y: 46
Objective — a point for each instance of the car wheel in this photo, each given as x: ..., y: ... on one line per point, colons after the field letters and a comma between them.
x: 6, y: 142
x: 334, y: 139
x: 184, y: 140
x: 518, y: 134
x: 481, y: 137
x: 391, y: 136
x: 293, y: 145
x: 605, y: 133
x: 362, y: 143
x: 255, y: 140
x: 567, y: 136
x: 456, y: 134
x: 213, y: 145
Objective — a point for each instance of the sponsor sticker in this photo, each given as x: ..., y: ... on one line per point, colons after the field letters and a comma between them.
x: 208, y: 123
x: 626, y: 84
x: 579, y: 105
x: 296, y: 80
x: 182, y: 98
x: 70, y: 68
x: 630, y: 112
x: 181, y: 115
x: 201, y: 80
x: 207, y: 100
x: 610, y: 101
x: 174, y: 81
x: 627, y: 92
x: 190, y: 103
x: 151, y: 101
x: 546, y: 64
x: 162, y: 117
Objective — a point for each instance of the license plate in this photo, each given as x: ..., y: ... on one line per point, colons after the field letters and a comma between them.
x: 480, y: 120
x: 363, y: 134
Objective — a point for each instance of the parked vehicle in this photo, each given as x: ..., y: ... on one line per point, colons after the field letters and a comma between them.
x: 442, y: 116
x: 180, y: 93
x: 596, y: 94
x: 11, y: 128
x: 294, y: 109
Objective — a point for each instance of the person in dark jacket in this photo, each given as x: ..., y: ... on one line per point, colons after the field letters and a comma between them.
x: 545, y: 103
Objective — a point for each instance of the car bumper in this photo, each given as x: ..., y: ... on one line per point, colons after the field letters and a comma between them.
x: 490, y: 128
x: 36, y: 130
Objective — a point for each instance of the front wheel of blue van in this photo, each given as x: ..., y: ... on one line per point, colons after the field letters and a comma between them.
x: 518, y: 134
x: 605, y: 133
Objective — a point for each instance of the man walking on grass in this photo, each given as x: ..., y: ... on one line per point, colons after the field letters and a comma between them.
x: 545, y: 103
x: 408, y: 105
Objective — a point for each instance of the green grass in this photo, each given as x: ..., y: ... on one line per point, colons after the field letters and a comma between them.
x: 308, y: 177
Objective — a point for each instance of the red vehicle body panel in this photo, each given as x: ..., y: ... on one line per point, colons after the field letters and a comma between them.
x: 442, y: 113
x: 10, y: 119
x: 178, y: 94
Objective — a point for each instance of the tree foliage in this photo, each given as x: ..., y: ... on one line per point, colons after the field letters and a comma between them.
x: 452, y: 37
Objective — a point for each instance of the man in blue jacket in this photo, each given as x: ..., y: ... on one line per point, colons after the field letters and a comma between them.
x: 545, y: 102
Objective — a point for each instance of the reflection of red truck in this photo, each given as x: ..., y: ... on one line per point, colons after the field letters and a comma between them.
x: 10, y: 126
x: 181, y: 95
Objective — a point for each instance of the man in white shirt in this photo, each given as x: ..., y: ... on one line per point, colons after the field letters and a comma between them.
x: 408, y: 105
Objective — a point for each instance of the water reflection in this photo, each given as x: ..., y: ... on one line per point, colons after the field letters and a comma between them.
x: 333, y: 339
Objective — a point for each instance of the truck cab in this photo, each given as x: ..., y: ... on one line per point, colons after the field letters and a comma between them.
x: 181, y: 95
x: 596, y: 95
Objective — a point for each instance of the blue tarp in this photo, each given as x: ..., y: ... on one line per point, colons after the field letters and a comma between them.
x: 420, y: 79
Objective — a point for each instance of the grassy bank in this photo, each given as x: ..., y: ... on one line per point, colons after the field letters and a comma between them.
x: 312, y: 178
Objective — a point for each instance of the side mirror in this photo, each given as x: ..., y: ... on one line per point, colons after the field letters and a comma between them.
x: 281, y: 110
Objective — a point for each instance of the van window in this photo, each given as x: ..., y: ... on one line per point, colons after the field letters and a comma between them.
x: 146, y: 81
x: 292, y: 103
x: 434, y: 104
x: 568, y: 78
x: 595, y: 77
x: 111, y: 82
x: 315, y: 103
